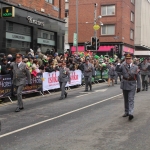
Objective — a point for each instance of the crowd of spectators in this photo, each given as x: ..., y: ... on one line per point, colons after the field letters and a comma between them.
x: 38, y: 62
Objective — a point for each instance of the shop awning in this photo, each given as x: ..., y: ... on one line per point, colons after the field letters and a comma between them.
x: 105, y: 48
x: 101, y: 48
x: 80, y: 48
x: 142, y: 53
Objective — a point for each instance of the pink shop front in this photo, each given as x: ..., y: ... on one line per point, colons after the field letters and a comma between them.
x: 127, y: 50
x: 102, y: 49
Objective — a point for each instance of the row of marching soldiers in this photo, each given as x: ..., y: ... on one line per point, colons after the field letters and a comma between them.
x: 144, y: 67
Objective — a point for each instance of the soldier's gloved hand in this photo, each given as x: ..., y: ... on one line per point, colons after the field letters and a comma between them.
x: 138, y: 90
x: 29, y: 84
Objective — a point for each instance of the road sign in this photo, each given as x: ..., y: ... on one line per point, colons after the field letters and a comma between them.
x: 8, y: 11
x: 96, y: 27
x: 75, y: 39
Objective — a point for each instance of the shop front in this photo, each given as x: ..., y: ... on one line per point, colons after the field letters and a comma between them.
x: 127, y: 50
x: 29, y: 29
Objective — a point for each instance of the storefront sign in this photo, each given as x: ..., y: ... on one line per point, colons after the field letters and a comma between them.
x: 8, y: 12
x: 55, y: 8
x: 45, y: 42
x: 33, y: 21
x: 18, y: 37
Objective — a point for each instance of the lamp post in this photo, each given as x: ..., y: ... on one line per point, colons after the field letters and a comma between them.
x: 76, y: 25
x: 96, y: 26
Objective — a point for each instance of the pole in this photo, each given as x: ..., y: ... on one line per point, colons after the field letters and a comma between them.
x: 95, y: 18
x: 77, y: 25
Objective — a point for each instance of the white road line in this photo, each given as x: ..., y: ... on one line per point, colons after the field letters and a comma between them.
x: 65, y: 114
x: 103, y: 90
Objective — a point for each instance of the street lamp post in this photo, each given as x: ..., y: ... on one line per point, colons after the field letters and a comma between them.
x: 76, y: 25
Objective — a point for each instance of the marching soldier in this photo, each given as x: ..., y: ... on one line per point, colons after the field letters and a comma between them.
x: 144, y: 74
x: 20, y: 72
x: 131, y: 77
x: 63, y: 78
x: 88, y: 71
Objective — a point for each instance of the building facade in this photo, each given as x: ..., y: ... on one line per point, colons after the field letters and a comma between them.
x: 142, y: 27
x: 67, y: 46
x: 117, y: 29
x: 35, y: 24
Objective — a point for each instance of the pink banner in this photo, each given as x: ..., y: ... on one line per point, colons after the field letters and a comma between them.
x: 101, y: 48
x: 128, y: 49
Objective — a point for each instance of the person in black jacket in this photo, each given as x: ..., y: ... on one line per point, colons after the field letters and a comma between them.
x: 4, y: 67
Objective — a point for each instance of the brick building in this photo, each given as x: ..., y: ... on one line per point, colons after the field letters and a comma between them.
x: 37, y: 23
x: 118, y: 24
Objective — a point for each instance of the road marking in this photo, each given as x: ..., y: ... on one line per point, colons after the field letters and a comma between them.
x: 65, y: 114
x: 103, y: 90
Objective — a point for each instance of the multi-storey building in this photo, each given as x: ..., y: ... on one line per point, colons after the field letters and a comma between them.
x: 142, y: 27
x: 118, y: 24
x: 67, y: 46
x: 36, y: 23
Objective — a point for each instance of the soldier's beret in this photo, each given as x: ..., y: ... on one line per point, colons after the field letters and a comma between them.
x: 128, y: 55
x: 18, y: 55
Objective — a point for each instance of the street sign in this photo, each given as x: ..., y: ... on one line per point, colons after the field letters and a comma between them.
x: 8, y: 12
x: 96, y: 27
x: 75, y: 39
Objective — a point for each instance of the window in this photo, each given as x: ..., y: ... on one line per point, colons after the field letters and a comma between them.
x: 50, y: 1
x: 108, y: 10
x: 131, y: 34
x: 66, y: 13
x: 8, y: 42
x: 108, y: 30
x: 132, y: 1
x: 132, y: 16
x: 45, y: 36
x: 10, y: 26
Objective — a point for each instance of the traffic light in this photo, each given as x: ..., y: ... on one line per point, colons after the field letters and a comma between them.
x: 88, y: 47
x: 98, y: 44
x: 116, y: 49
x: 93, y: 43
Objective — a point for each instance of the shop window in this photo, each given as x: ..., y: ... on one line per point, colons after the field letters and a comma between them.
x: 108, y: 30
x: 22, y: 44
x: 8, y: 42
x: 10, y: 26
x: 18, y: 29
x: 50, y: 1
x: 131, y: 34
x: 108, y: 10
x: 45, y: 36
x: 58, y: 42
x: 52, y: 37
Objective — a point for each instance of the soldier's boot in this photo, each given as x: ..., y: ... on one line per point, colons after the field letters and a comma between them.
x: 90, y: 87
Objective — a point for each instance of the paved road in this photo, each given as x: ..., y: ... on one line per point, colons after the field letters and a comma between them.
x: 81, y: 122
